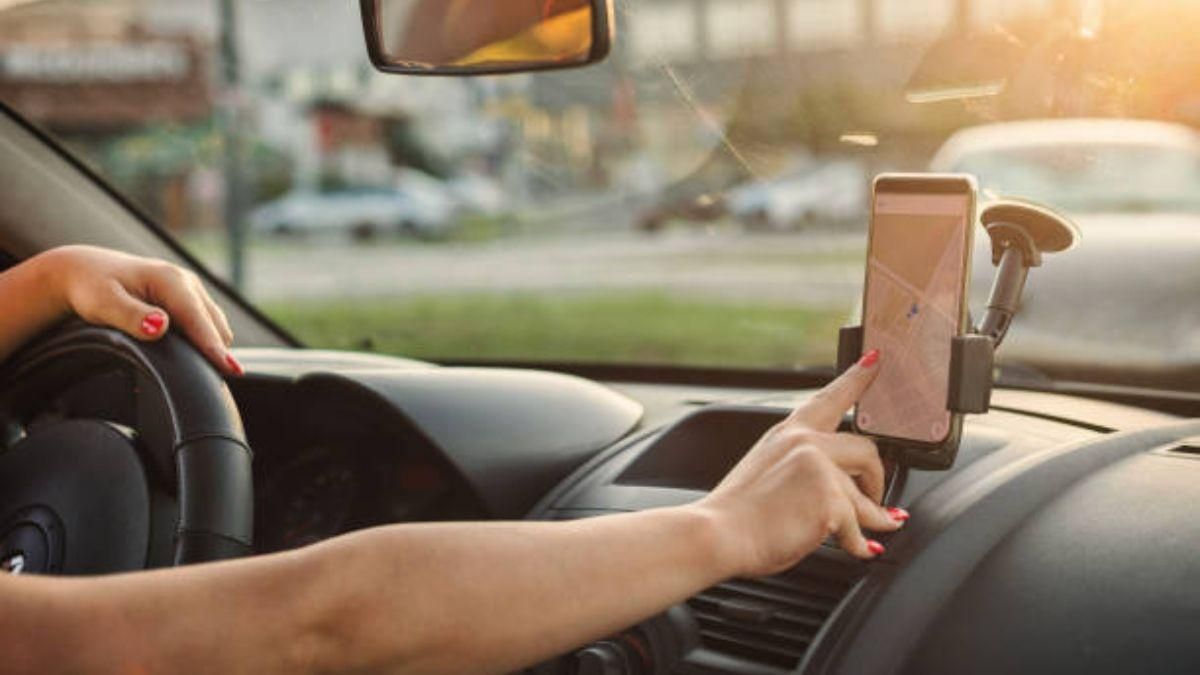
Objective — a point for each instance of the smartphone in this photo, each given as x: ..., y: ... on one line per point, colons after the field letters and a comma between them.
x: 915, y: 304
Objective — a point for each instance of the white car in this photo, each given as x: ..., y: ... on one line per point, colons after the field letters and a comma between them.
x: 809, y: 191
x: 363, y: 213
x: 434, y: 204
x: 479, y: 194
x: 1133, y: 187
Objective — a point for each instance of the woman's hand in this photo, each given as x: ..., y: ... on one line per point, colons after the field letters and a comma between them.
x: 139, y: 296
x: 802, y: 483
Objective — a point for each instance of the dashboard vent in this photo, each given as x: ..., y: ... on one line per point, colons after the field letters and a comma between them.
x: 773, y: 621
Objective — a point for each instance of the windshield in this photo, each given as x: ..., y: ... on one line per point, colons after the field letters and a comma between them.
x: 701, y: 198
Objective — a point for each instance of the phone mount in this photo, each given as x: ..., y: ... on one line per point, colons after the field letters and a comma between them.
x: 1021, y: 232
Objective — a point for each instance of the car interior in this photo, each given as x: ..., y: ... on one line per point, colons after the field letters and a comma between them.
x: 1060, y: 538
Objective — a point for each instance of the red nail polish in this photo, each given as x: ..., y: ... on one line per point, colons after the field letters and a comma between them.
x: 875, y: 547
x: 898, y: 514
x: 869, y: 359
x: 234, y: 367
x: 153, y: 323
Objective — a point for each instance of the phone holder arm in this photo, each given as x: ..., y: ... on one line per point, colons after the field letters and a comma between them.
x: 1020, y: 232
x: 1013, y: 253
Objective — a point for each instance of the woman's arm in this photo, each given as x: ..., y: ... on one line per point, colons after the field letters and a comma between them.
x: 469, y: 597
x: 441, y: 598
x: 139, y: 296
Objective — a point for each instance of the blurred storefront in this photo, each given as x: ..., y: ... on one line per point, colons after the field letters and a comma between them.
x: 139, y: 100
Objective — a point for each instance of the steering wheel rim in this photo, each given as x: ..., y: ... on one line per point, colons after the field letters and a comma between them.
x: 185, y: 414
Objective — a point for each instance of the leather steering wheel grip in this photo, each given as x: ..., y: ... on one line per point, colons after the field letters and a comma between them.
x: 187, y: 417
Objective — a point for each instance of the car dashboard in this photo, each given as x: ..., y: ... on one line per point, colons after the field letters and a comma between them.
x: 344, y: 442
x: 326, y: 465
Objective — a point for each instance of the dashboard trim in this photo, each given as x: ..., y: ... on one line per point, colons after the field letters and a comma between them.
x: 942, y: 545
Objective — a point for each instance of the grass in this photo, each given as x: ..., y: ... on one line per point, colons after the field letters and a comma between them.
x: 634, y: 327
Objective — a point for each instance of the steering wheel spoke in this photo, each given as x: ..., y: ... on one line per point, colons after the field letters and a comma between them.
x: 97, y: 478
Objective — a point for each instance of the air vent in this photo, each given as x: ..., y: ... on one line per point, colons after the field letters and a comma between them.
x: 773, y: 621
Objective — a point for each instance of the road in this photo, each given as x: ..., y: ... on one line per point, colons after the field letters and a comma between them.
x: 823, y: 269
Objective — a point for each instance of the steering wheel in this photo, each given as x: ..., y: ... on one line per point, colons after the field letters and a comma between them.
x: 152, y: 470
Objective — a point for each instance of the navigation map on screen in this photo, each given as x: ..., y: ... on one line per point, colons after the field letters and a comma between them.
x: 912, y: 312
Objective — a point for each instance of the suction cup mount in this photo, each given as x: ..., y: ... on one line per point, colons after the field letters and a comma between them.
x: 1021, y: 232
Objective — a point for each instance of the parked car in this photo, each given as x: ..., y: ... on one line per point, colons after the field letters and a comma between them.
x: 479, y: 194
x: 435, y: 205
x: 1134, y: 189
x: 363, y: 213
x: 695, y: 209
x: 807, y: 192
x: 750, y: 201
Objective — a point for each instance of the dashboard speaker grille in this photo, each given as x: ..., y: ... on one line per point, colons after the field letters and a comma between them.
x: 772, y: 621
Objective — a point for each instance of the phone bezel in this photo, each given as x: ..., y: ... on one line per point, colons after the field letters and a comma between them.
x: 927, y: 183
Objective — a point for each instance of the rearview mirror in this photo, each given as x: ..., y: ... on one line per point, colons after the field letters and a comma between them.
x: 480, y: 37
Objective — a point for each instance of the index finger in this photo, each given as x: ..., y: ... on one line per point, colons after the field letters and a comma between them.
x: 824, y: 411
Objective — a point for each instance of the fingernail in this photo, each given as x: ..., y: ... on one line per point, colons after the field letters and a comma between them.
x: 234, y: 366
x: 897, y: 514
x: 875, y: 547
x: 153, y: 323
x: 869, y: 359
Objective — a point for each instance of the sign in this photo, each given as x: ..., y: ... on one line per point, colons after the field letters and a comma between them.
x: 145, y: 62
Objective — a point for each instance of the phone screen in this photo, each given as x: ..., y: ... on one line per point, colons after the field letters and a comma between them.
x: 913, y: 305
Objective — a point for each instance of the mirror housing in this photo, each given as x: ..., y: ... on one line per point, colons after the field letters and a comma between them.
x: 485, y: 37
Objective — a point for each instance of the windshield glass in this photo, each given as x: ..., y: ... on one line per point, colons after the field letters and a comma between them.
x: 701, y: 198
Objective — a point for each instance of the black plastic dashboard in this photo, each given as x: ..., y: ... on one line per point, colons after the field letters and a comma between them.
x: 794, y: 621
x: 345, y: 441
x: 1063, y: 518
